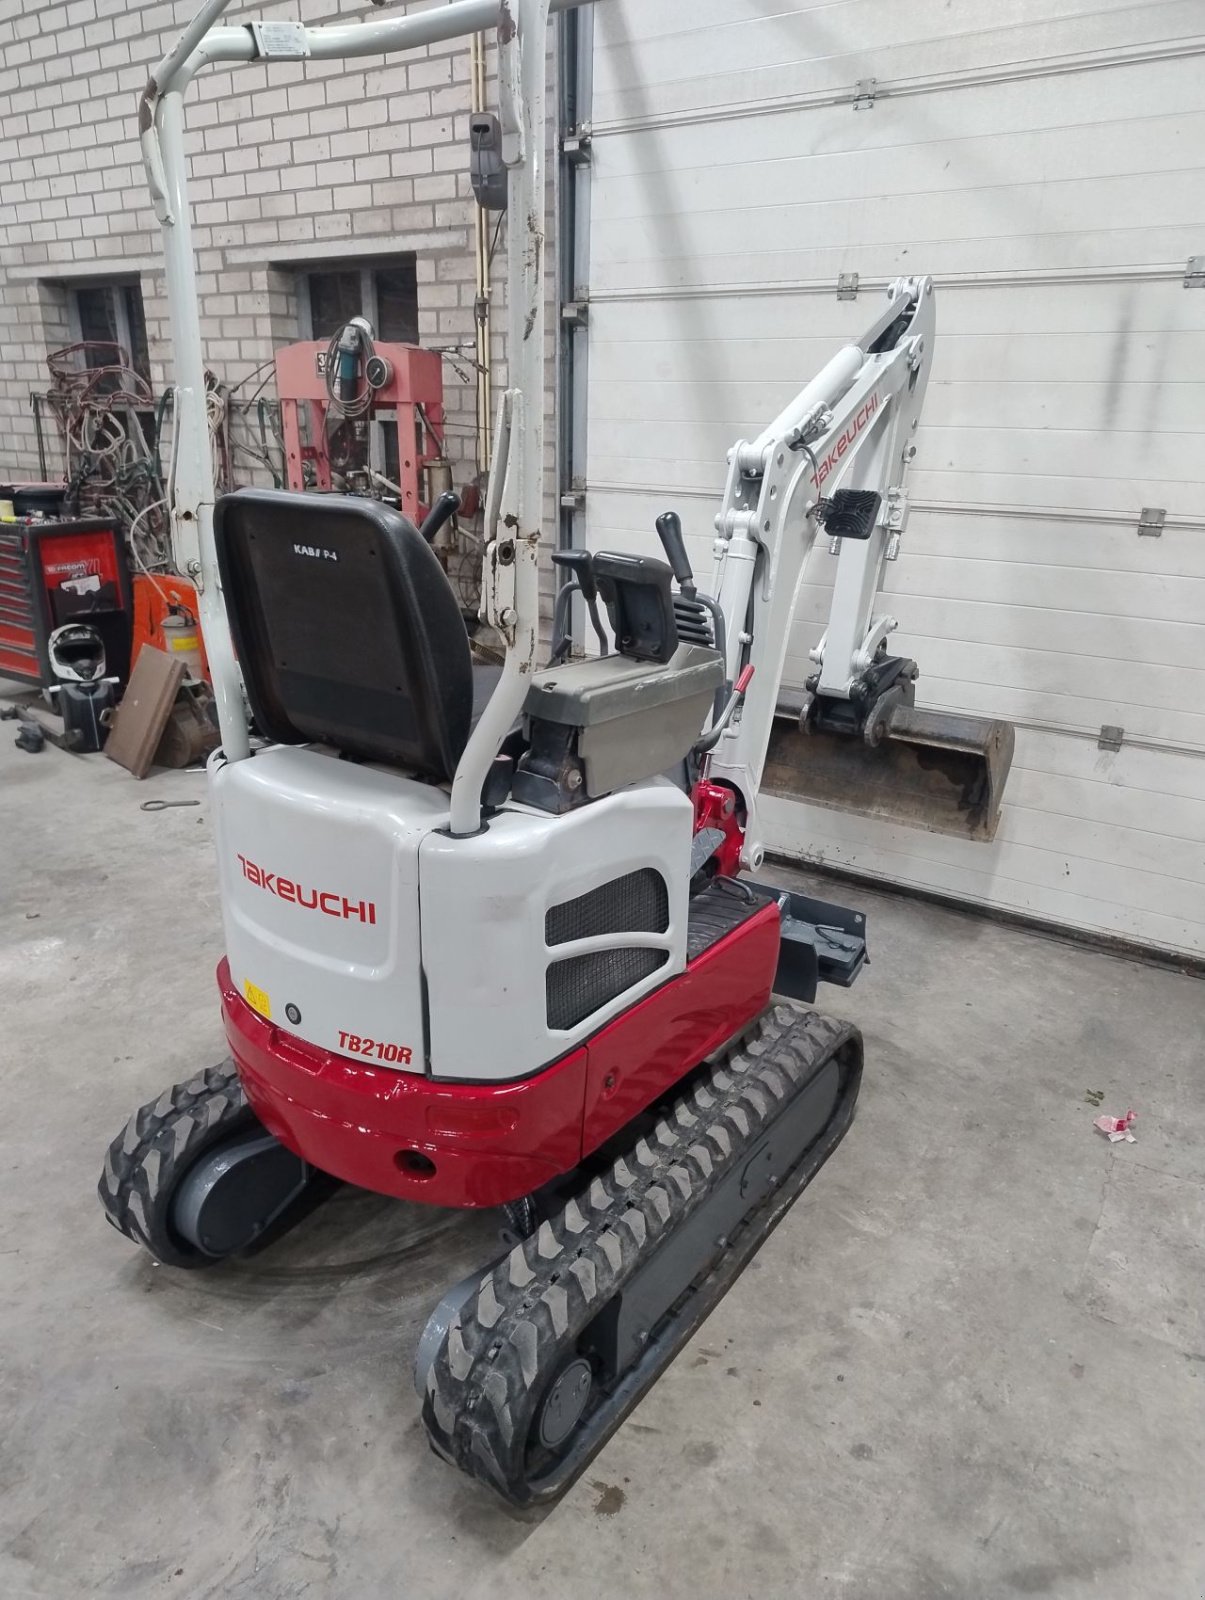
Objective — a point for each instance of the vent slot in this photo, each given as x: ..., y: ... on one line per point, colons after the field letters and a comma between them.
x: 636, y: 903
x: 580, y: 985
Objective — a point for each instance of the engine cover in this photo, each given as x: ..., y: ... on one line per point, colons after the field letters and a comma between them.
x: 318, y: 861
x: 354, y: 922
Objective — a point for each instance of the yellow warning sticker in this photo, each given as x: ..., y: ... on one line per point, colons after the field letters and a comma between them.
x: 257, y: 998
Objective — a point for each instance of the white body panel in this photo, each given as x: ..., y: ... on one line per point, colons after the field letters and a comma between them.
x: 341, y: 833
x: 484, y: 905
x: 325, y: 864
x: 1047, y: 167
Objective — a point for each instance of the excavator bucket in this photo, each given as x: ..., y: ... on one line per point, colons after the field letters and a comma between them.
x: 931, y: 769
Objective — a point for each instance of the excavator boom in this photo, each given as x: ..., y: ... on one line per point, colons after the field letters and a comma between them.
x: 851, y: 737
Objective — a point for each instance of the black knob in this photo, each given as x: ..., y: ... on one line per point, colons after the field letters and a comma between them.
x: 580, y: 564
x: 444, y: 508
x: 669, y: 531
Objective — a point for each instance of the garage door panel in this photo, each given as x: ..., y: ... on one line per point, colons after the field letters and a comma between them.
x: 1030, y: 883
x: 1045, y: 163
x: 1030, y: 870
x: 1081, y: 490
x: 1122, y: 813
x: 990, y: 311
x: 1155, y: 778
x: 1074, y: 406
x: 1002, y: 169
x: 1106, y: 597
x: 1126, y: 406
x: 970, y: 316
x: 1040, y: 685
x: 1083, y: 552
x: 1001, y: 128
x: 1172, y: 874
x: 707, y: 251
x: 1103, y: 566
x: 1073, y: 470
x: 818, y: 49
x: 1099, y: 641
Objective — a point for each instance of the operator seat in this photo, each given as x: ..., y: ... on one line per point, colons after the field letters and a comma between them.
x: 346, y: 628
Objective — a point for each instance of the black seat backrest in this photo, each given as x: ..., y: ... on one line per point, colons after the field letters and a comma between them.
x: 347, y: 629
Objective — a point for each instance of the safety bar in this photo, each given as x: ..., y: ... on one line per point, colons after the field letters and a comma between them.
x: 512, y: 554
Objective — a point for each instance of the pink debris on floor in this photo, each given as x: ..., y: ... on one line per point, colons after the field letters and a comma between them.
x: 1116, y: 1129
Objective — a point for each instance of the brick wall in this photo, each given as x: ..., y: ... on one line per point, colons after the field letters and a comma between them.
x: 293, y: 164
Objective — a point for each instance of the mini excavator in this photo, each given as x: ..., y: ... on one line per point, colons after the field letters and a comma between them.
x: 497, y: 937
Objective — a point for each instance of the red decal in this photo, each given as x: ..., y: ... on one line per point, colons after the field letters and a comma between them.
x: 360, y: 1045
x: 845, y: 442
x: 327, y: 901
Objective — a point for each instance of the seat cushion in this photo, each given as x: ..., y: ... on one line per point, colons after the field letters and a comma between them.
x: 346, y: 627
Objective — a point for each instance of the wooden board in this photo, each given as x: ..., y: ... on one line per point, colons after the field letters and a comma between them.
x: 141, y: 717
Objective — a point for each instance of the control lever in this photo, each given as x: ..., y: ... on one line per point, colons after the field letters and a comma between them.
x: 712, y: 737
x: 669, y: 531
x: 442, y: 511
x: 580, y: 564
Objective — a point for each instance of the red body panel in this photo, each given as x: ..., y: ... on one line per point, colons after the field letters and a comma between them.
x: 492, y: 1142
x: 637, y: 1057
x: 716, y: 807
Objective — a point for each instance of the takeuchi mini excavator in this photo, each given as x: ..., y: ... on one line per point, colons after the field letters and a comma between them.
x: 497, y: 936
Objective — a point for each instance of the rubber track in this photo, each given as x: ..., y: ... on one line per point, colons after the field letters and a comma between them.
x: 158, y: 1144
x: 485, y: 1386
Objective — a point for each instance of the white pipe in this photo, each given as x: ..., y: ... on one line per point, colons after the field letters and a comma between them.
x: 380, y: 36
x: 525, y: 381
x: 193, y: 497
x: 166, y: 71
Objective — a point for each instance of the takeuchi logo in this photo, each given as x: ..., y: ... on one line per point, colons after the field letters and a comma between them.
x: 328, y: 901
x: 839, y: 446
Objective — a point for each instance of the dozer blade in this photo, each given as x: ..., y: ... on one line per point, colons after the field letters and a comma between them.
x: 931, y: 769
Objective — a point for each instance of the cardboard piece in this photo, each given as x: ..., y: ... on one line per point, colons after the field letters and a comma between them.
x: 140, y: 719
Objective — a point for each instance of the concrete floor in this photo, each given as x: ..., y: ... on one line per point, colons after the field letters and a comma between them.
x: 971, y: 1362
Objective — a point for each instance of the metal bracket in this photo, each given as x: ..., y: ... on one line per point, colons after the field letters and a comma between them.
x: 575, y: 313
x: 1194, y: 273
x: 575, y: 145
x: 847, y: 286
x: 1111, y: 737
x: 865, y: 93
x: 1150, y: 522
x: 280, y: 41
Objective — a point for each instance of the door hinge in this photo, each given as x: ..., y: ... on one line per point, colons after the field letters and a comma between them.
x: 865, y: 93
x: 575, y: 313
x: 1111, y: 737
x: 1150, y: 522
x: 847, y: 286
x: 1194, y: 273
x: 575, y: 145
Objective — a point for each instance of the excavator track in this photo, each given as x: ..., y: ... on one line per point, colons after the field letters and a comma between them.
x: 525, y: 1373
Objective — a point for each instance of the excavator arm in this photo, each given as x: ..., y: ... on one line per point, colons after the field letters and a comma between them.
x: 833, y: 464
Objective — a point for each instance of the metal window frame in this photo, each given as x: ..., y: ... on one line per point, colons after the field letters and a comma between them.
x: 121, y: 321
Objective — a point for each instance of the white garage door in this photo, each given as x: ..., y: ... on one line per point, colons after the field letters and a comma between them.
x: 1045, y: 161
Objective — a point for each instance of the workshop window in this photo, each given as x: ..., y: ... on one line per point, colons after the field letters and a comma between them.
x: 107, y: 314
x: 386, y: 292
